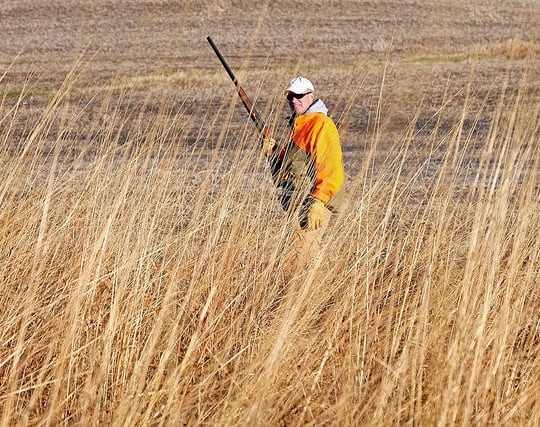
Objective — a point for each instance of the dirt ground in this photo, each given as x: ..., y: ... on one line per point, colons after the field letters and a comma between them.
x: 138, y: 37
x: 423, y: 54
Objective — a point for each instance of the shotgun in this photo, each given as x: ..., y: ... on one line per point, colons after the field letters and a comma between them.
x: 253, y: 113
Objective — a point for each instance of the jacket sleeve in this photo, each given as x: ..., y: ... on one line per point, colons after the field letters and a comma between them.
x: 325, y: 148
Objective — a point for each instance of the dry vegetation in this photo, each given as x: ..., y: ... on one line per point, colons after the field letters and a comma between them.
x: 141, y: 248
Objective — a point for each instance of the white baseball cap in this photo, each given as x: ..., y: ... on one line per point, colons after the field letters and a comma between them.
x: 300, y: 85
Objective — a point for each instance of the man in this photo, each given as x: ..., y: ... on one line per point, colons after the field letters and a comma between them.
x: 308, y: 169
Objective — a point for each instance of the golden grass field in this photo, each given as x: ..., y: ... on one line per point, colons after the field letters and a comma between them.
x: 141, y: 248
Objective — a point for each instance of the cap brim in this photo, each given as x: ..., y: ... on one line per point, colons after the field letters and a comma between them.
x: 298, y: 93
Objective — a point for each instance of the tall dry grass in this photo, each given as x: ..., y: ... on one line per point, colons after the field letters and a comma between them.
x: 142, y: 272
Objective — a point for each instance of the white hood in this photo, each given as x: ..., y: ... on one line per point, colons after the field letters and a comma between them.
x: 317, y: 107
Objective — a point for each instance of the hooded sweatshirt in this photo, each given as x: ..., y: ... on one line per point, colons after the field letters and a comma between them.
x: 316, y: 134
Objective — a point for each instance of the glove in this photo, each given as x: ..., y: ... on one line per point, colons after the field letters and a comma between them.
x: 316, y: 214
x: 268, y: 145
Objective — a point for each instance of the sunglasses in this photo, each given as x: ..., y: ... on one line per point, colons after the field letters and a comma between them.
x: 291, y: 95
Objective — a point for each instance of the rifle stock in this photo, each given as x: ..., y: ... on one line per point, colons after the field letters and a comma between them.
x: 253, y: 113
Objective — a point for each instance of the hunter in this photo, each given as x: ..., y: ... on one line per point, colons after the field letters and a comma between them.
x: 308, y: 170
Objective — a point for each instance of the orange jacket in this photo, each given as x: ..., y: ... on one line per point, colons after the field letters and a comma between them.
x: 317, y: 135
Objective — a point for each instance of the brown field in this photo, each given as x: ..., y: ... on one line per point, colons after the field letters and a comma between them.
x: 141, y: 247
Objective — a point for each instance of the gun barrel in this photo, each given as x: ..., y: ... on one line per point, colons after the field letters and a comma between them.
x: 222, y: 60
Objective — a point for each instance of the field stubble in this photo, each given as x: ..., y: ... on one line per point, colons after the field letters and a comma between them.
x: 142, y: 249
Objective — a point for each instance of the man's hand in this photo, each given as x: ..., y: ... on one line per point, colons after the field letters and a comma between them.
x: 316, y: 214
x: 268, y: 145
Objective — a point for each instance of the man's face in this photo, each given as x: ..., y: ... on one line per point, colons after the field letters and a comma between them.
x: 299, y: 103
